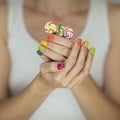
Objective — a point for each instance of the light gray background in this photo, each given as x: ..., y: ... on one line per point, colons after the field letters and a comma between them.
x: 110, y: 0
x: 115, y: 1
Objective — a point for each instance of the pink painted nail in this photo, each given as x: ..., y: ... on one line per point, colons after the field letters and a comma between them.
x: 60, y: 66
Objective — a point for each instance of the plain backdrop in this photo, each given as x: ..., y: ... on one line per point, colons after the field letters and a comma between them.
x: 110, y: 0
x: 115, y: 1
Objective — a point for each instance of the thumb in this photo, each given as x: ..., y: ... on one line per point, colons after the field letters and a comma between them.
x: 51, y: 67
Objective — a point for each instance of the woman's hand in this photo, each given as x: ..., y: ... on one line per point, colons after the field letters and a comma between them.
x: 56, y: 49
x: 72, y: 72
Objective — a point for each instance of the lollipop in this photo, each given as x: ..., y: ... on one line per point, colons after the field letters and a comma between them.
x: 60, y: 30
x: 68, y: 32
x: 50, y: 27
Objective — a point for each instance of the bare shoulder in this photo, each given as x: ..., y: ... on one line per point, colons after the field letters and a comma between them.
x: 3, y: 22
x: 114, y: 15
x: 4, y: 56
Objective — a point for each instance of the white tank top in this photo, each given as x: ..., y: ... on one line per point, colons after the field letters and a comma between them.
x: 61, y: 104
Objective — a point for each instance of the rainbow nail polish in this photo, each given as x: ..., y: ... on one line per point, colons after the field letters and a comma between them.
x: 39, y: 53
x: 86, y: 43
x: 92, y: 51
x: 41, y: 48
x: 79, y: 42
x: 44, y: 42
x: 50, y: 37
x: 60, y: 66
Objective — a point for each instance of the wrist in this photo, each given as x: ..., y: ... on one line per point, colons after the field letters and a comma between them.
x: 41, y: 84
x: 84, y: 84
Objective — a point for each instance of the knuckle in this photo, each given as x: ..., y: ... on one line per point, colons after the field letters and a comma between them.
x: 71, y: 62
x: 47, y: 52
x: 52, y: 55
x: 55, y: 56
x: 66, y: 51
x: 51, y: 45
x: 60, y: 58
x: 70, y: 44
x: 77, y: 66
x: 80, y: 65
x: 81, y: 62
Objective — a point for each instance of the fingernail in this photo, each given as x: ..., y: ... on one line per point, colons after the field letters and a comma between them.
x: 44, y: 42
x: 41, y: 48
x: 79, y: 42
x: 50, y: 27
x: 60, y: 30
x: 86, y: 44
x: 39, y: 53
x: 92, y: 51
x: 50, y: 37
x: 60, y: 66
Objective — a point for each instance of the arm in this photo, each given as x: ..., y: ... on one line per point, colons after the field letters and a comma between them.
x: 24, y: 104
x: 96, y: 104
x: 21, y: 106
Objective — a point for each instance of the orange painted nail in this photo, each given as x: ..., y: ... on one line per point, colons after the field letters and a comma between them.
x: 79, y: 42
x: 50, y: 37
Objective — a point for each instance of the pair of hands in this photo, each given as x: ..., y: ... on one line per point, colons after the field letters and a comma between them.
x: 76, y: 63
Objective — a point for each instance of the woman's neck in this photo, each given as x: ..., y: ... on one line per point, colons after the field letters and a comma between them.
x: 58, y: 8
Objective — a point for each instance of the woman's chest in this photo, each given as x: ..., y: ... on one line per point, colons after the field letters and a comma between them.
x: 35, y: 24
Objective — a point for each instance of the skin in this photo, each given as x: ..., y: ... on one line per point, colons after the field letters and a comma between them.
x: 84, y: 89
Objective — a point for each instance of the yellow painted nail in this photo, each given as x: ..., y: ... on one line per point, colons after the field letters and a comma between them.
x: 41, y: 48
x: 86, y: 44
x: 92, y: 51
x: 44, y: 42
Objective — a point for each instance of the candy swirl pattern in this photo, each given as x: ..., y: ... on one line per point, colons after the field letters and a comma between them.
x: 50, y: 27
x: 68, y: 32
x: 60, y: 30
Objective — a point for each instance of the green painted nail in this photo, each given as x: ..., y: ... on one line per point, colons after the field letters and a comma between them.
x: 92, y: 51
x: 41, y: 48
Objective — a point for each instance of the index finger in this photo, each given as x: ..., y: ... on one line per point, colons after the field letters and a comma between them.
x: 61, y: 41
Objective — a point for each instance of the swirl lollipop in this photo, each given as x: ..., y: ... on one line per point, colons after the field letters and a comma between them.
x: 60, y: 30
x: 68, y: 32
x: 50, y: 27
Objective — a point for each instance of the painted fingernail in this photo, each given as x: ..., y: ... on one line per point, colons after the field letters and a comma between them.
x: 79, y: 42
x: 92, y: 51
x: 44, y: 42
x: 41, y: 48
x: 86, y: 43
x: 60, y: 66
x: 50, y: 37
x: 39, y: 53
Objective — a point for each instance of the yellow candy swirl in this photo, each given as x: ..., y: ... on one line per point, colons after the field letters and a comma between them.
x: 50, y: 27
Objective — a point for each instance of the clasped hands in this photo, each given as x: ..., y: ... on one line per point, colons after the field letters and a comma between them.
x: 67, y: 63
